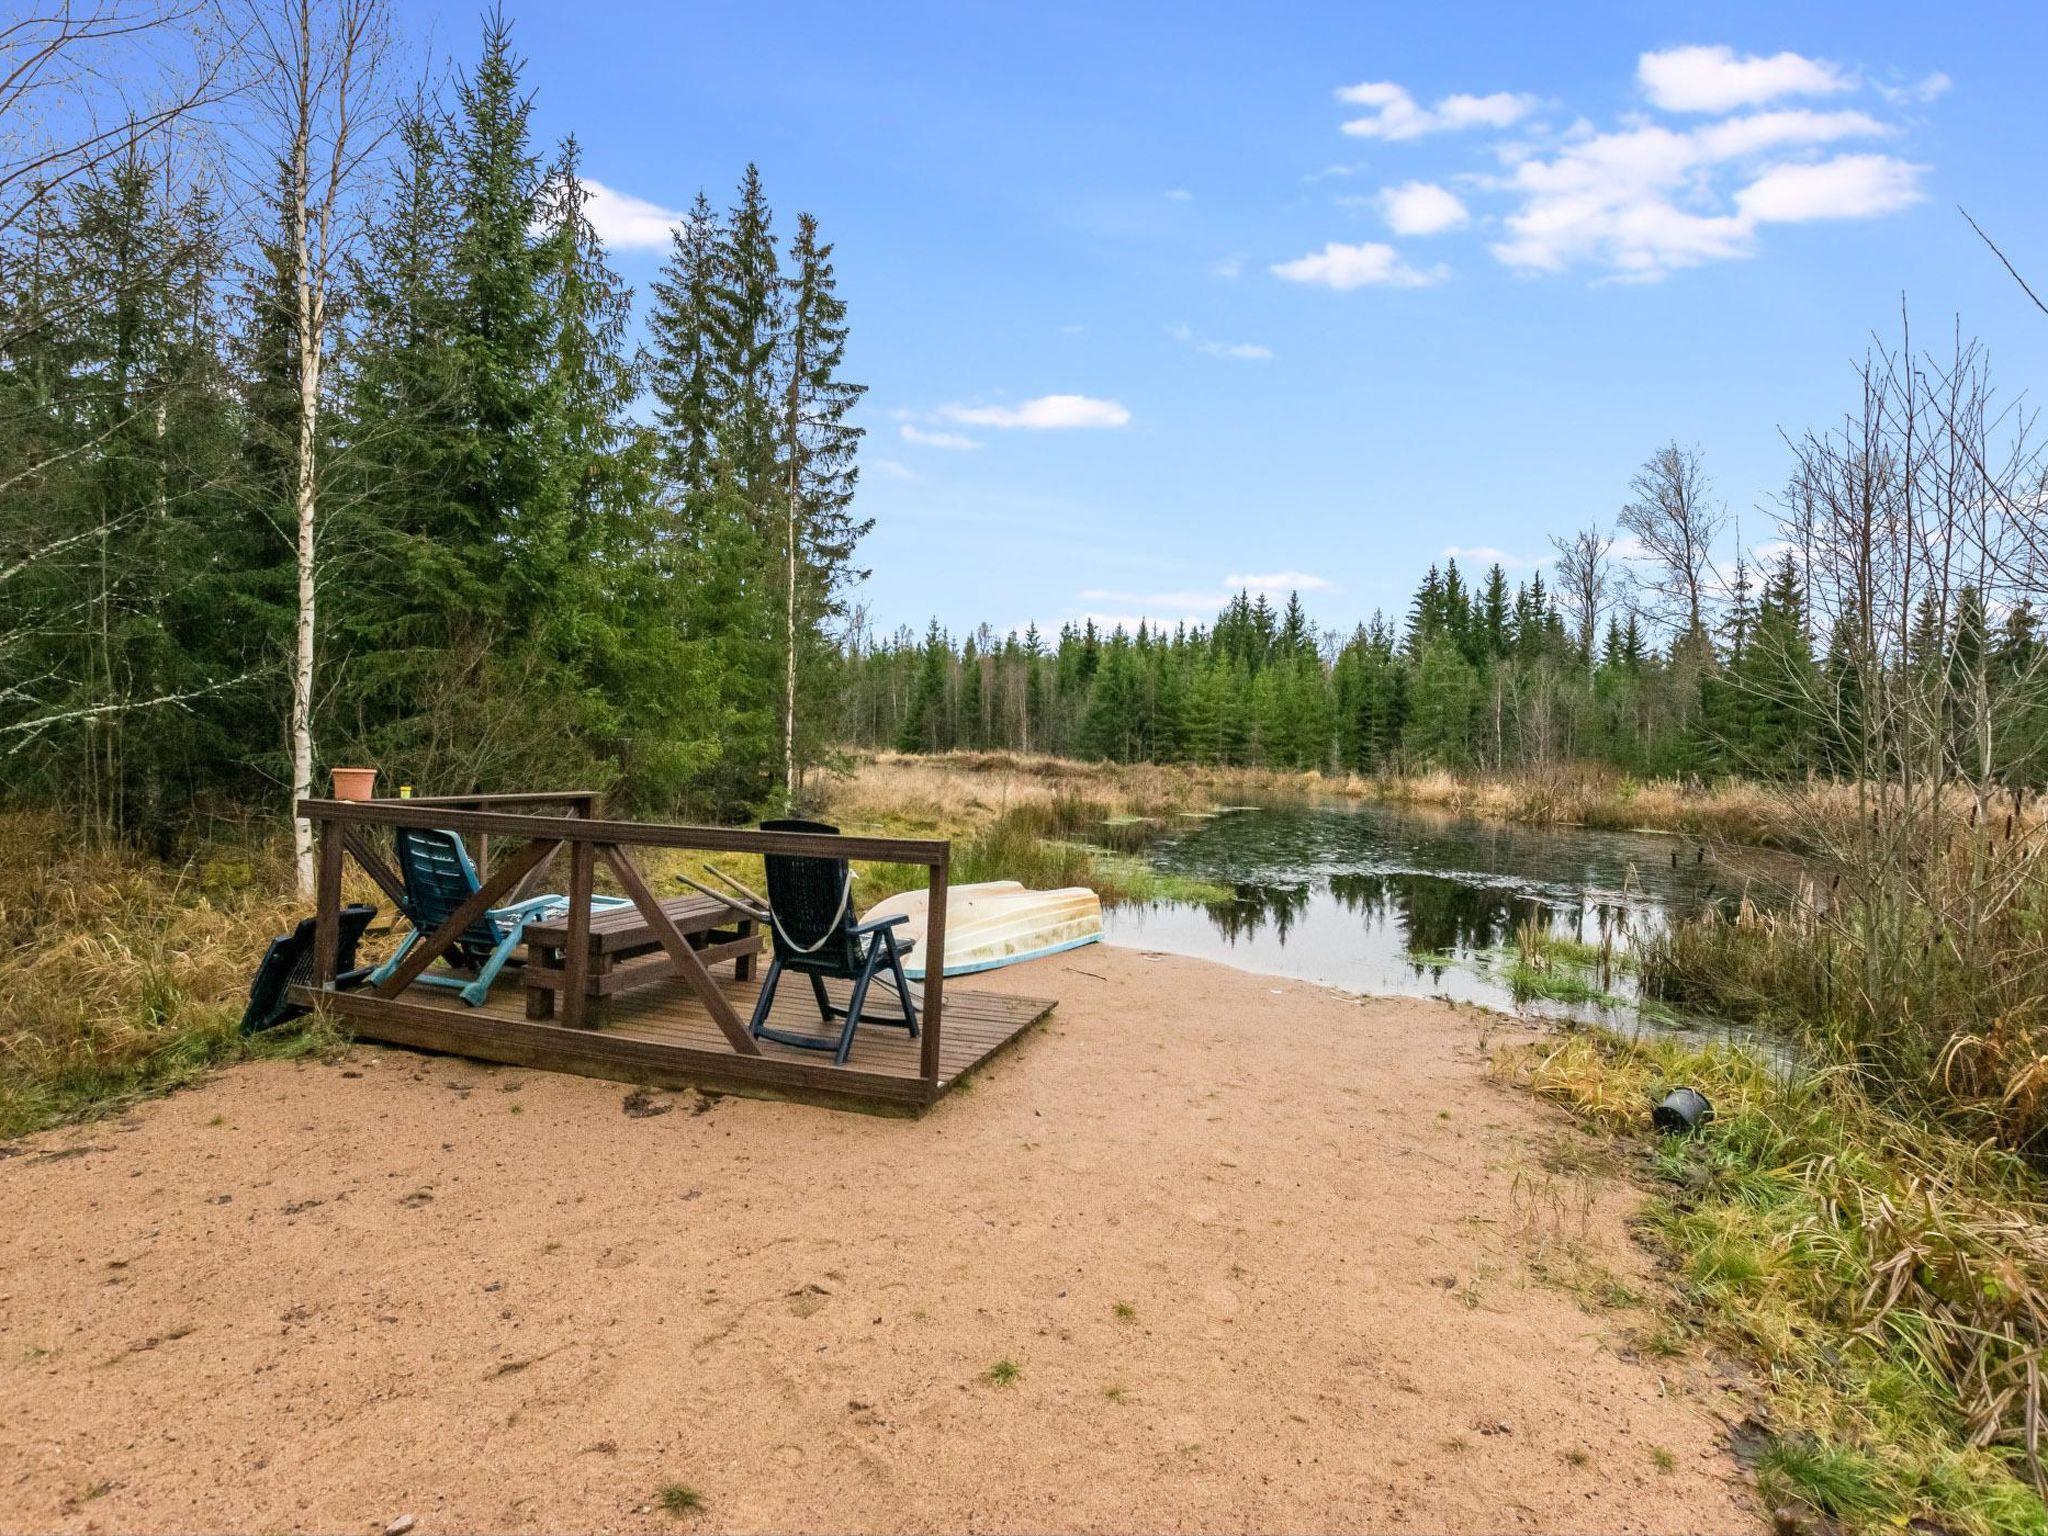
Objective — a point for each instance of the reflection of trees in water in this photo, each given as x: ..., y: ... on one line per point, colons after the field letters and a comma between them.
x: 1256, y: 905
x: 1435, y: 914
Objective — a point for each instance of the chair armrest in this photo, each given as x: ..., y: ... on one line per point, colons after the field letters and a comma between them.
x: 880, y: 923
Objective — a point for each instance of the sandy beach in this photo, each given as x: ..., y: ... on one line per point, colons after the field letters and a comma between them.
x: 1262, y: 1256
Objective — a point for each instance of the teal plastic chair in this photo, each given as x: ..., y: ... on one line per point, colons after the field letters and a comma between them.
x: 438, y: 877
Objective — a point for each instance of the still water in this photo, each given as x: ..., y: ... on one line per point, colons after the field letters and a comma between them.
x: 1382, y: 900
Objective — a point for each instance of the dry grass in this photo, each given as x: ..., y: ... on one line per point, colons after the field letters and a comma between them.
x: 957, y: 793
x: 1887, y: 1282
x: 120, y: 975
x: 1922, y: 967
x: 1588, y: 795
x: 963, y: 786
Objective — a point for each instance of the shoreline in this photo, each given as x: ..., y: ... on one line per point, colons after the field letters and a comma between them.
x: 1214, y: 1249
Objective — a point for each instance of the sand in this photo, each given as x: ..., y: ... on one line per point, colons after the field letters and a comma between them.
x: 1264, y: 1257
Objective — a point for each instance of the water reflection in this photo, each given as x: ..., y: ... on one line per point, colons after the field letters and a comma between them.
x: 1380, y: 900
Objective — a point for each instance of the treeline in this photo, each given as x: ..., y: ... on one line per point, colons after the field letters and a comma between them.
x: 1488, y: 678
x: 519, y: 575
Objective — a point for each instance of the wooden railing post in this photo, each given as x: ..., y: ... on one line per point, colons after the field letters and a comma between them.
x: 576, y: 962
x: 327, y: 905
x: 934, y: 965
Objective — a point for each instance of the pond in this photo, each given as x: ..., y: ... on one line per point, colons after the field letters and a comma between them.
x: 1385, y: 900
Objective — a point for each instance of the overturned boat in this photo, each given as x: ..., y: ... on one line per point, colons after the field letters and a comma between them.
x: 994, y: 924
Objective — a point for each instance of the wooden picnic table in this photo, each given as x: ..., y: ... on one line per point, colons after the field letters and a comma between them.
x: 625, y: 953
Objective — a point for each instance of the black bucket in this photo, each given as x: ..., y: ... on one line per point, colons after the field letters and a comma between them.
x: 1683, y: 1111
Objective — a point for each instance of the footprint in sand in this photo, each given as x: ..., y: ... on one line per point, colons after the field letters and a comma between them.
x: 807, y: 1299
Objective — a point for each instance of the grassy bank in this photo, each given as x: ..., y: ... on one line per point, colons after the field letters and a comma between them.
x: 1586, y: 795
x: 1575, y: 794
x: 1885, y: 1284
x: 120, y: 975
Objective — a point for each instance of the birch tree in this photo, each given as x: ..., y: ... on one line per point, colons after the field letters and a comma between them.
x: 323, y: 114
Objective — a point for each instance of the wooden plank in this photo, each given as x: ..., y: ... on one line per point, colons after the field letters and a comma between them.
x: 935, y: 972
x: 410, y: 813
x: 637, y: 971
x: 373, y: 865
x: 327, y: 906
x: 480, y: 901
x: 626, y: 927
x: 556, y: 1047
x: 505, y: 800
x: 531, y: 880
x: 475, y: 1032
x: 576, y: 943
x: 687, y: 963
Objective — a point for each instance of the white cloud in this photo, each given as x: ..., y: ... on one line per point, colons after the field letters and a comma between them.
x: 1421, y: 208
x: 1397, y: 115
x: 1846, y: 187
x: 1281, y: 581
x: 1919, y: 92
x: 1342, y: 266
x: 1179, y: 195
x: 892, y: 468
x: 1648, y: 200
x: 1652, y: 194
x: 1048, y: 413
x: 1715, y: 79
x: 1734, y: 137
x: 628, y: 223
x: 1226, y: 266
x: 913, y: 433
x: 1243, y: 351
x: 1482, y: 555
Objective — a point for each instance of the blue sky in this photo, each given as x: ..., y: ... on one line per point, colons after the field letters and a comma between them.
x: 1141, y: 316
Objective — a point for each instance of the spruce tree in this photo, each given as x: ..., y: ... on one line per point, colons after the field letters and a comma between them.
x: 817, y: 444
x: 507, y: 487
x: 679, y: 360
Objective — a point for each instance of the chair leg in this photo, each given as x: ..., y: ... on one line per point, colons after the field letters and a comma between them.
x: 854, y: 1005
x: 902, y: 985
x: 383, y: 972
x: 475, y: 993
x: 825, y: 1008
x: 767, y: 998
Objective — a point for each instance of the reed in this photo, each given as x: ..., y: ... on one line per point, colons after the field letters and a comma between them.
x: 1918, y: 964
x: 1886, y: 1282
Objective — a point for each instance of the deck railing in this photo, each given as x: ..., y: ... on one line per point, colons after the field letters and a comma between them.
x: 342, y: 828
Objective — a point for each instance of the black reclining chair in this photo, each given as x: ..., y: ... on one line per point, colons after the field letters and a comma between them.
x: 814, y: 931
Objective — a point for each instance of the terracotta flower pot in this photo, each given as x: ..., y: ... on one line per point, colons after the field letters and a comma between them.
x: 355, y: 783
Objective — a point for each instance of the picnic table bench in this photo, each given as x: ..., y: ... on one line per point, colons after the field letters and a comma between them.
x: 625, y: 953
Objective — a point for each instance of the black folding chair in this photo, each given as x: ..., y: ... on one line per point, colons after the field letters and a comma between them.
x: 289, y: 962
x: 814, y: 932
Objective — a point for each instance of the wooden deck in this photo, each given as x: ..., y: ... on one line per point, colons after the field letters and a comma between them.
x: 661, y: 1034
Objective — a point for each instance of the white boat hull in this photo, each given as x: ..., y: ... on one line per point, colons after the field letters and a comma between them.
x: 995, y: 924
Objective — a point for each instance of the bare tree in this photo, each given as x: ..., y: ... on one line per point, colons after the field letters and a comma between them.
x: 1584, y: 573
x: 1919, y: 517
x: 324, y: 114
x: 82, y: 84
x: 1671, y: 515
x: 82, y: 87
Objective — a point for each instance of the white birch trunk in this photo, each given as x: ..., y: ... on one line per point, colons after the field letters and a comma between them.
x: 304, y: 502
